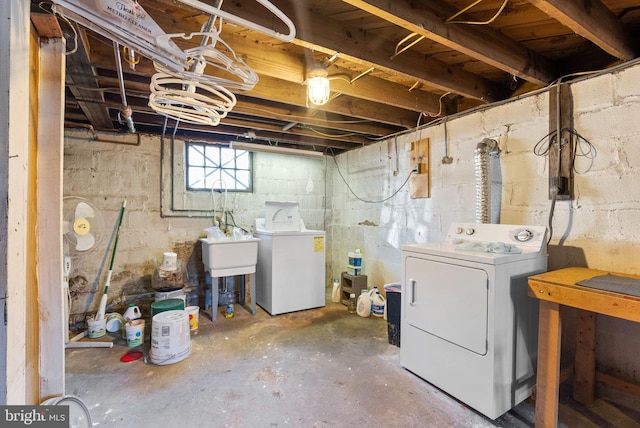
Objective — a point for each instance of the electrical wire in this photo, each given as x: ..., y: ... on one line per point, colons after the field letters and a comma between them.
x: 493, y: 18
x: 440, y: 105
x: 582, y: 147
x: 75, y: 35
x: 368, y: 201
x: 554, y: 197
x: 347, y: 134
x: 398, y: 51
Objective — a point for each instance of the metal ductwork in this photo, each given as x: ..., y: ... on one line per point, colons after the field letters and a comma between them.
x: 484, y: 149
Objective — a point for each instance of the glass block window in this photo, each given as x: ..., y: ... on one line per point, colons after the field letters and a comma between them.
x: 219, y: 167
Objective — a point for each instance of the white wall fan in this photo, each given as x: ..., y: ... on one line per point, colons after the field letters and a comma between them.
x: 83, y: 233
x: 82, y: 226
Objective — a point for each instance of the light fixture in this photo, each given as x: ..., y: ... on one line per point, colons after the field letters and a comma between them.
x: 251, y: 147
x: 318, y: 89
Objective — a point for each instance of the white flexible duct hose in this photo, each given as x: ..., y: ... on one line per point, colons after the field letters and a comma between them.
x: 483, y: 178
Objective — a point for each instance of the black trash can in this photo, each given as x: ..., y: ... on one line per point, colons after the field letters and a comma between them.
x: 394, y: 301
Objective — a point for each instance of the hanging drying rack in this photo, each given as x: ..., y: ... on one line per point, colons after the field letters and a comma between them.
x: 212, y: 10
x: 180, y: 89
x: 189, y: 101
x: 103, y: 18
x: 209, y: 55
x: 105, y: 23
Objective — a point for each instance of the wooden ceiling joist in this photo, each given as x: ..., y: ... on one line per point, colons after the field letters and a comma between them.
x: 479, y: 42
x: 593, y: 21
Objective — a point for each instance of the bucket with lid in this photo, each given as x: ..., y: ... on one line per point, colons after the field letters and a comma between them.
x: 170, y: 337
x: 166, y: 305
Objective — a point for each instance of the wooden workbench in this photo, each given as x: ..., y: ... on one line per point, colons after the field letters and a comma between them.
x: 557, y: 288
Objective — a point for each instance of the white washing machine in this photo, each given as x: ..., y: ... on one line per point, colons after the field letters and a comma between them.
x: 290, y: 274
x: 467, y: 324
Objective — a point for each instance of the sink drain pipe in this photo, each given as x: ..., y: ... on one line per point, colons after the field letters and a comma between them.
x: 484, y: 149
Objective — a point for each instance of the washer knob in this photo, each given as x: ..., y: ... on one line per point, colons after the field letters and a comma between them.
x: 524, y: 235
x: 459, y: 230
x: 470, y: 231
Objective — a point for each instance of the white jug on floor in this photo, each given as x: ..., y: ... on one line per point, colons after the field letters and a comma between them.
x: 377, y: 303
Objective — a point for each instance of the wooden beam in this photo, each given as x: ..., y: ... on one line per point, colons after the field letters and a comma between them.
x: 585, y: 359
x: 50, y: 149
x: 593, y: 21
x: 311, y: 117
x: 290, y: 93
x: 14, y: 164
x: 548, y: 373
x: 223, y: 132
x: 274, y: 63
x: 483, y: 43
x: 322, y: 34
x: 46, y: 25
x: 83, y: 83
x: 284, y: 66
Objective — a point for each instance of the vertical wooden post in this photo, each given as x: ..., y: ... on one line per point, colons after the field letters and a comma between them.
x: 14, y: 135
x: 548, y: 376
x: 585, y: 361
x: 561, y: 116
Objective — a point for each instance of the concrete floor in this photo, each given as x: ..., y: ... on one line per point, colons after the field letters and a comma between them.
x: 317, y: 368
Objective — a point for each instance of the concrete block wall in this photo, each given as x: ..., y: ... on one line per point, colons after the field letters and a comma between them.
x: 599, y: 229
x: 350, y: 196
x: 106, y: 173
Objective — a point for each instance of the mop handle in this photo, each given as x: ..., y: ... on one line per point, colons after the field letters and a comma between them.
x: 103, y: 301
x: 115, y: 243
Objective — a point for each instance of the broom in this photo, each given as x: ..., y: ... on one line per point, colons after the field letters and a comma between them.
x: 103, y: 302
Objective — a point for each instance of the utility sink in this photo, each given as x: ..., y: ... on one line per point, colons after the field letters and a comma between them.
x: 229, y: 257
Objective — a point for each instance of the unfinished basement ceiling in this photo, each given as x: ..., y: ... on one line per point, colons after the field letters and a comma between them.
x: 395, y: 64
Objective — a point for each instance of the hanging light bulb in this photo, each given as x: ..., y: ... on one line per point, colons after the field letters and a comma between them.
x: 318, y: 89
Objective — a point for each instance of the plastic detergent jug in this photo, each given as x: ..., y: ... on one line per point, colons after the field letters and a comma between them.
x: 377, y: 302
x: 364, y: 304
x: 132, y: 313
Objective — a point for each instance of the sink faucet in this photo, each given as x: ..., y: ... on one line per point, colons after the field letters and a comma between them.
x: 221, y: 220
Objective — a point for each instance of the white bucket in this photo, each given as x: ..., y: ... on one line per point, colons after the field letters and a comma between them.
x: 96, y: 329
x: 135, y: 332
x: 170, y: 337
x: 194, y: 313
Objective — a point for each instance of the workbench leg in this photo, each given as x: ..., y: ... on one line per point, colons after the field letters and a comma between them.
x: 585, y: 362
x: 548, y: 376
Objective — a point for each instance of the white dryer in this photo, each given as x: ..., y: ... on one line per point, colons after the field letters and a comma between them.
x: 467, y: 324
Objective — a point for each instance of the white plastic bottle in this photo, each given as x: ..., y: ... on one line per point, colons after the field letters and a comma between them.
x: 132, y: 313
x: 377, y: 303
x: 335, y: 292
x: 364, y: 304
